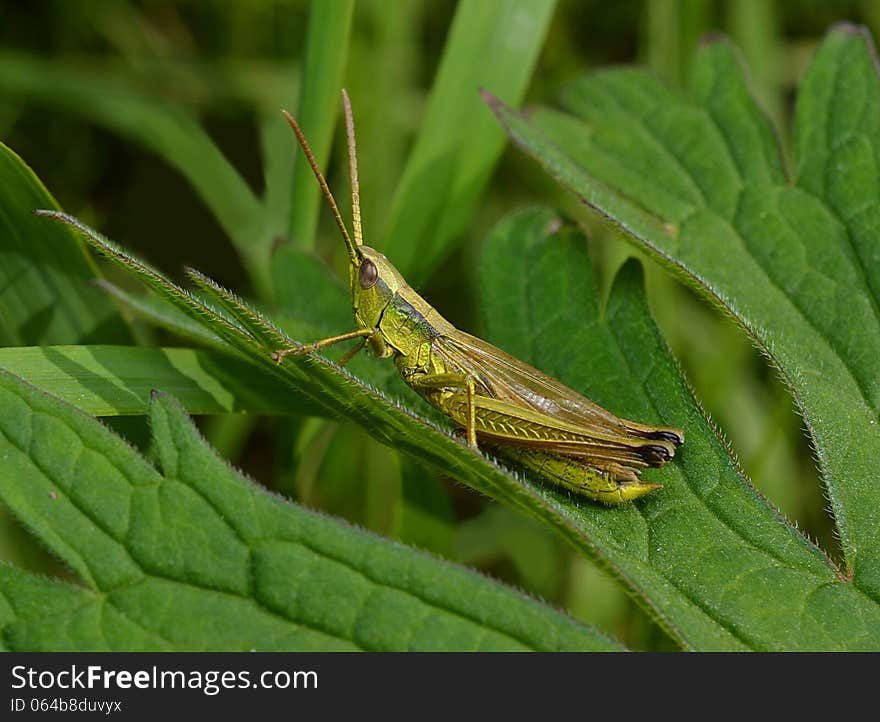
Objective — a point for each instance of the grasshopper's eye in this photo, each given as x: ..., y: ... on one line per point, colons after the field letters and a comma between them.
x: 368, y: 275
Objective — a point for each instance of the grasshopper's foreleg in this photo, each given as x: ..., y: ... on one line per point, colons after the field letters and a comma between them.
x: 362, y: 333
x: 461, y: 381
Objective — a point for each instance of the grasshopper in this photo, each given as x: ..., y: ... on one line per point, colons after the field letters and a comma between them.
x: 519, y: 412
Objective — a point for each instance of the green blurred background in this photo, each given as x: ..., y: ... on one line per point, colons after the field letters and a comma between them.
x: 231, y: 62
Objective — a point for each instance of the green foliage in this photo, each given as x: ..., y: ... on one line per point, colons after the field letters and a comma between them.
x: 720, y: 566
x: 186, y: 554
x: 700, y: 181
x: 169, y: 131
x: 117, y: 380
x: 176, y: 550
x: 493, y: 45
x: 44, y: 292
x: 324, y: 65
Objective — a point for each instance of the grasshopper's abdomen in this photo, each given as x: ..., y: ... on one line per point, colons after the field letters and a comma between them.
x: 602, y: 486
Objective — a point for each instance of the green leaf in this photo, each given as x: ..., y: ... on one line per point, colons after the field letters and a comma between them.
x: 707, y: 550
x: 493, y: 45
x: 752, y: 581
x: 190, y: 555
x: 45, y: 274
x: 701, y: 185
x: 117, y: 380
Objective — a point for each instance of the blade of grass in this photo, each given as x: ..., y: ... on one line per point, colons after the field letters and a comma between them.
x: 493, y: 45
x: 168, y: 130
x: 326, y: 52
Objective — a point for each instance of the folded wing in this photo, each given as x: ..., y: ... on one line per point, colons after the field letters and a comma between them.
x: 518, y: 404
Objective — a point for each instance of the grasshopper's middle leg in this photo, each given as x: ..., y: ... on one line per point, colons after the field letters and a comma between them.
x: 437, y: 382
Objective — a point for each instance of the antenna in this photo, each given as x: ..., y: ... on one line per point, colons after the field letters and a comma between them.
x: 355, y: 259
x: 353, y: 171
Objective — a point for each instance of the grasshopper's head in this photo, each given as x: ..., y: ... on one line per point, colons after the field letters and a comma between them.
x: 374, y: 281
